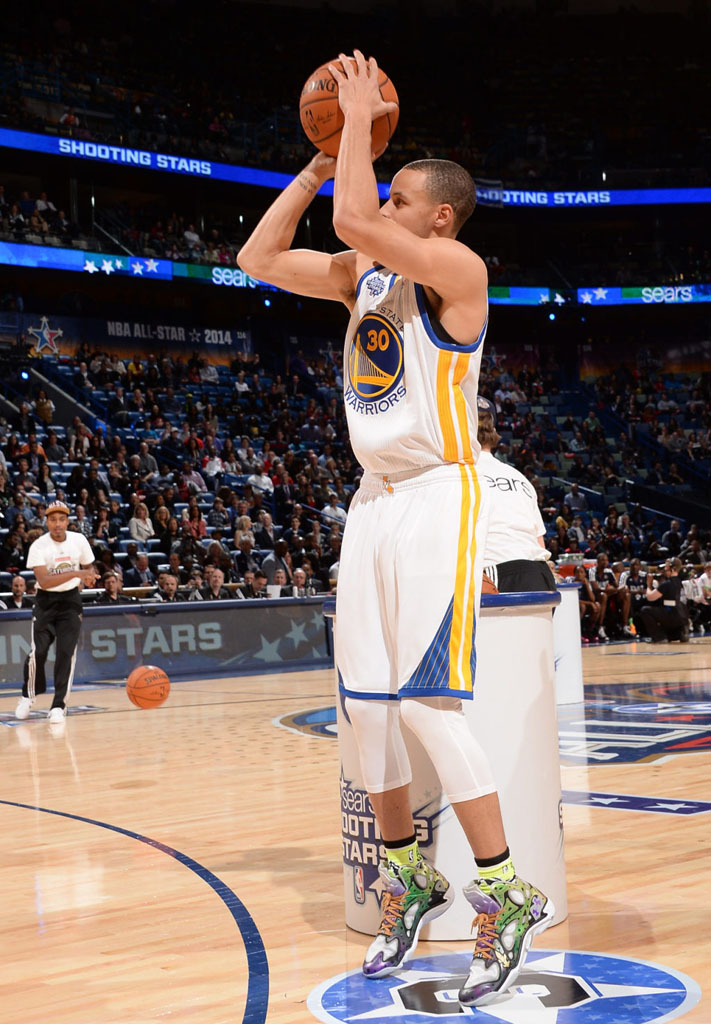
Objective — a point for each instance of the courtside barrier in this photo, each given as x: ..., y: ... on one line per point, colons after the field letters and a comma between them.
x: 188, y: 639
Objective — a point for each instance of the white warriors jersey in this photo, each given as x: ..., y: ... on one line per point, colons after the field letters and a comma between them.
x: 410, y: 391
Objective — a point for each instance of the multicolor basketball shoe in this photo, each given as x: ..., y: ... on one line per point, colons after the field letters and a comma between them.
x: 413, y: 896
x: 509, y: 914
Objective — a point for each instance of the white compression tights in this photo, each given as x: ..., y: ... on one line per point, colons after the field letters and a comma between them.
x: 440, y: 726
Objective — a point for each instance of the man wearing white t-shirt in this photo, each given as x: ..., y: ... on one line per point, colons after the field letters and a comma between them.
x: 515, y: 558
x: 62, y: 563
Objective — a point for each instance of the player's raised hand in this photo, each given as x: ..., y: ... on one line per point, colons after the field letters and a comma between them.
x: 358, y: 85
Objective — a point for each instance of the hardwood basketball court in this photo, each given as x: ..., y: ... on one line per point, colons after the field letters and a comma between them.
x: 184, y: 864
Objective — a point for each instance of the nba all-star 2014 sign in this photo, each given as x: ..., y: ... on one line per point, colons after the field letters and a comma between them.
x: 60, y: 335
x: 554, y: 987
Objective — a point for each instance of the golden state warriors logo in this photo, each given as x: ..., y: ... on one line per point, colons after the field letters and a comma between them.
x: 375, y: 365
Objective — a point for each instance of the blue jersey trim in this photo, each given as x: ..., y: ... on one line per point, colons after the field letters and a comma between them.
x: 376, y: 269
x: 448, y: 691
x: 359, y: 695
x: 432, y: 675
x: 361, y: 279
x: 406, y: 691
x: 422, y: 307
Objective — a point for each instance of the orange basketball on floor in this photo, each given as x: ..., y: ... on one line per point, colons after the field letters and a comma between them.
x: 147, y: 686
x: 322, y: 118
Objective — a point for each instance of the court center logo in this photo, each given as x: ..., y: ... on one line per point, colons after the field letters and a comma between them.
x: 554, y: 987
x: 375, y: 365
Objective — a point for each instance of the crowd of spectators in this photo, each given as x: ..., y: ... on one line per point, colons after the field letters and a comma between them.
x: 154, y: 229
x: 34, y: 219
x: 582, y: 469
x: 200, y: 492
x: 235, y: 469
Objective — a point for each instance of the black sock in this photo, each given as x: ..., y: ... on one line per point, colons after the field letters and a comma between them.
x: 397, y: 844
x: 492, y: 862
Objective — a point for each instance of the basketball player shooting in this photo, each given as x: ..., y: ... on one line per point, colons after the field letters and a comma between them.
x: 407, y: 602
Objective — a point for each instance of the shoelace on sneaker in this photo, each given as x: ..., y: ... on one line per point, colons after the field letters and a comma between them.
x: 487, y: 934
x: 392, y: 911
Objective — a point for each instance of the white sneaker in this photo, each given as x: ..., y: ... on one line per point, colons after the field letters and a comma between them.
x: 24, y: 706
x: 601, y: 633
x: 57, y: 715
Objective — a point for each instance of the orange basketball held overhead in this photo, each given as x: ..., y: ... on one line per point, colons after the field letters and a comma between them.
x: 322, y: 117
x: 147, y: 686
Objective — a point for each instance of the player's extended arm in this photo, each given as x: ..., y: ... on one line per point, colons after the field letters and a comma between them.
x: 267, y: 253
x: 456, y: 273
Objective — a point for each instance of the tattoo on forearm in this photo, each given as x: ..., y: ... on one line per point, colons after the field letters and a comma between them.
x: 306, y: 185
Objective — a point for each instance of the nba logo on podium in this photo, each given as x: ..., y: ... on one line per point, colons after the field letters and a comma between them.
x: 358, y: 887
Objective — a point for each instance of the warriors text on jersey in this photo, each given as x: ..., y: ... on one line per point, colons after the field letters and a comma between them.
x: 410, y: 390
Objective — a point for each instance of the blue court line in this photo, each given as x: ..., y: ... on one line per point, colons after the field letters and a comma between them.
x: 255, y: 1011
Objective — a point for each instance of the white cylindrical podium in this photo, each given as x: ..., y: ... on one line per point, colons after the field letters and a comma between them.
x: 567, y: 646
x: 513, y: 715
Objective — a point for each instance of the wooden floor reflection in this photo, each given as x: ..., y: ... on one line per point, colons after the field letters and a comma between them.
x: 147, y: 856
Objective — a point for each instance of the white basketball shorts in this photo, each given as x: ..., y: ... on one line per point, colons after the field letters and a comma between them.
x: 409, y: 585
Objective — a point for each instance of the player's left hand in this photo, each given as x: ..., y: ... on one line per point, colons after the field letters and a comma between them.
x: 358, y: 86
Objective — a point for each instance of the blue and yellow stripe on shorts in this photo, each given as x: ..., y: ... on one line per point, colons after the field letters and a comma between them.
x: 449, y: 664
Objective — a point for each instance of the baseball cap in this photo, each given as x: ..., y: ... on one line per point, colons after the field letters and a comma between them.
x: 484, y: 405
x: 58, y: 506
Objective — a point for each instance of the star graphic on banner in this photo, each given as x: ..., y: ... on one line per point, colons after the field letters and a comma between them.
x: 601, y: 293
x: 544, y: 298
x: 118, y: 264
x: 137, y: 267
x: 46, y: 337
x: 152, y: 266
x: 195, y: 336
x: 606, y: 800
x: 317, y: 619
x: 91, y: 267
x: 559, y: 300
x: 107, y: 267
x: 297, y: 633
x: 269, y: 650
x: 586, y: 297
x: 493, y: 360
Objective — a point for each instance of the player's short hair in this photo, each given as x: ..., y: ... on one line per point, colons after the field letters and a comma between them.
x: 451, y: 183
x: 486, y: 432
